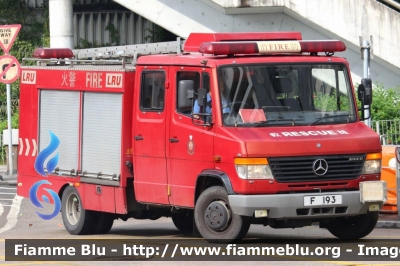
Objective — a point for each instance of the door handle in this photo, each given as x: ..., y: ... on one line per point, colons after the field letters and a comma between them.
x: 138, y: 138
x: 173, y: 140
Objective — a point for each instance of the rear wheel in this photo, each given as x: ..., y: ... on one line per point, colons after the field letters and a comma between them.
x: 77, y: 220
x: 104, y: 222
x: 353, y: 227
x: 215, y: 220
x: 183, y: 221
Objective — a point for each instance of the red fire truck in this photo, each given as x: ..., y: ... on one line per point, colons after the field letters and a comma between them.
x: 218, y: 132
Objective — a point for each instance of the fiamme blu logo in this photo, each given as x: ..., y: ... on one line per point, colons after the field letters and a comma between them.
x: 50, y: 166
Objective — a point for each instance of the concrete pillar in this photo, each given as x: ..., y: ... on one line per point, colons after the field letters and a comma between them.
x: 74, y: 26
x: 123, y: 31
x: 98, y: 32
x: 132, y: 26
x: 106, y: 37
x: 61, y: 30
x: 90, y: 28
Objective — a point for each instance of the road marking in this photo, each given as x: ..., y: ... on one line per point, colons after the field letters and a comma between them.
x: 383, y: 237
x: 39, y: 263
x: 1, y: 205
x: 12, y: 217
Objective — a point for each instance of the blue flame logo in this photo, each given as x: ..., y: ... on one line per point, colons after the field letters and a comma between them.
x: 39, y: 167
x: 45, y: 153
x: 35, y: 201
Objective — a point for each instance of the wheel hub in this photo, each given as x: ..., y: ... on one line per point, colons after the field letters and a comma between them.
x: 73, y: 208
x: 217, y: 215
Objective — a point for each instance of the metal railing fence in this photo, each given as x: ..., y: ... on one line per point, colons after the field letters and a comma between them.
x: 389, y: 130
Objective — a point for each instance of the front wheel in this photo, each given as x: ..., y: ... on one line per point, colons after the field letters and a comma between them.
x: 77, y: 220
x: 183, y: 221
x: 215, y: 220
x: 353, y: 227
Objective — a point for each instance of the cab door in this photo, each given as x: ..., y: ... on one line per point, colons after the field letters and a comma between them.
x: 190, y: 147
x: 149, y: 136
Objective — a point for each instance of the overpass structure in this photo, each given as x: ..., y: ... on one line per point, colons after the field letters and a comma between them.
x: 315, y: 19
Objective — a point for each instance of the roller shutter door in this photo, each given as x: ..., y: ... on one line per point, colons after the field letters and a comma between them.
x: 59, y: 113
x: 101, y: 136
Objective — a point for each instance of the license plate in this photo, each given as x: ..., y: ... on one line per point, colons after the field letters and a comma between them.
x: 322, y: 200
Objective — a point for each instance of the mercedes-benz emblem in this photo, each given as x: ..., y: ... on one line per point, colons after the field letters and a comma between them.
x: 320, y: 167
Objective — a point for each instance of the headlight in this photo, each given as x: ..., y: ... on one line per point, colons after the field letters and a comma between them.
x: 372, y: 165
x: 253, y: 168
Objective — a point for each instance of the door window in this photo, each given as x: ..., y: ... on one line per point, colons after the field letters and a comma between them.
x: 153, y: 90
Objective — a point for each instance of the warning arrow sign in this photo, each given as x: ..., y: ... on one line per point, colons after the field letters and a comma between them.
x: 9, y: 69
x: 8, y: 34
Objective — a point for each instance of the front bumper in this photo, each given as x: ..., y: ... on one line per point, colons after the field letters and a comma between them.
x: 291, y: 206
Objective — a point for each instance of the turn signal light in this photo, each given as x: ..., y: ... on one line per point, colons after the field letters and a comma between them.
x: 374, y: 156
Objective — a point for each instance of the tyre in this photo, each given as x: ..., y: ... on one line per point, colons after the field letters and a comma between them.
x: 183, y: 221
x: 215, y: 220
x: 77, y: 220
x: 353, y: 227
x: 104, y: 222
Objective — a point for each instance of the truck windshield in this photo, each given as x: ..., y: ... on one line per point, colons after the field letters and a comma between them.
x: 285, y: 95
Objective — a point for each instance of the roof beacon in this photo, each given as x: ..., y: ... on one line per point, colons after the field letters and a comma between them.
x: 50, y: 53
x: 271, y: 47
x: 194, y: 40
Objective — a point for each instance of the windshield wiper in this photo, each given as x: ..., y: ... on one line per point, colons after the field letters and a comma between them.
x: 261, y: 123
x: 329, y: 116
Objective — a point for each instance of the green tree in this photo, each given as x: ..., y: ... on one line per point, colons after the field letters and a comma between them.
x: 159, y: 34
x: 327, y: 102
x: 114, y: 34
x: 35, y: 25
x: 34, y: 33
x: 386, y: 103
x: 386, y: 106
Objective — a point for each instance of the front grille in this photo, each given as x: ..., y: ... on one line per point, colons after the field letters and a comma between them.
x: 301, y: 169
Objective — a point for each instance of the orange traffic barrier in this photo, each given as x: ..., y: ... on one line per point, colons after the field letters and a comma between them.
x: 389, y: 175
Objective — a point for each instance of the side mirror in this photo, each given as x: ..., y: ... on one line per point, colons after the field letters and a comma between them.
x: 202, y: 97
x: 185, y: 95
x: 365, y: 91
x: 368, y: 91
